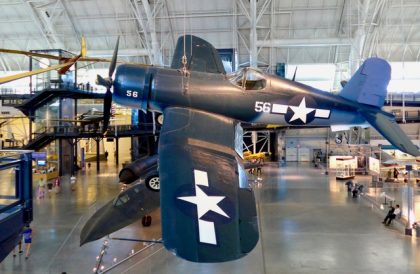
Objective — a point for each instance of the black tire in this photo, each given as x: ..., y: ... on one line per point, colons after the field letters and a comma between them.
x: 146, y: 220
x: 153, y: 183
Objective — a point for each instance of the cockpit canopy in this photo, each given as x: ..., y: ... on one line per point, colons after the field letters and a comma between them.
x: 248, y: 78
x: 125, y: 196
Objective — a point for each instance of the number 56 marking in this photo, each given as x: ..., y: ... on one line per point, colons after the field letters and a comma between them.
x: 262, y: 106
x: 131, y: 93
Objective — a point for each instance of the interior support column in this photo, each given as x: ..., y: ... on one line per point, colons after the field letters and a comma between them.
x: 75, y: 154
x: 98, y: 168
x: 253, y: 57
x: 117, y: 149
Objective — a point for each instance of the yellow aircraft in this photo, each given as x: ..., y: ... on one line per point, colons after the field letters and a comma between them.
x: 63, y: 67
x: 248, y: 155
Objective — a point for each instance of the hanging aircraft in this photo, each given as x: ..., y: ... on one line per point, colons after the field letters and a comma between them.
x: 147, y: 169
x: 208, y: 211
x: 63, y: 66
x: 248, y: 155
x: 92, y: 116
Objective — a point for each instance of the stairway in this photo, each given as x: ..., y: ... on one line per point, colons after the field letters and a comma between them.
x: 40, y: 141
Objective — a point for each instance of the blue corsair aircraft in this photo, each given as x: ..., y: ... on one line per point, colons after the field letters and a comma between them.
x: 208, y: 211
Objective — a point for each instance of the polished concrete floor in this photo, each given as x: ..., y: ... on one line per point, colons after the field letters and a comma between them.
x: 308, y: 225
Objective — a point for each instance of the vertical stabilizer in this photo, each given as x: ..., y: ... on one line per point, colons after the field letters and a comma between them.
x: 201, y: 55
x: 369, y: 84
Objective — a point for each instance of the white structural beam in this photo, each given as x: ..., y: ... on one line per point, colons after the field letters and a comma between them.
x: 47, y: 14
x: 307, y: 42
x: 38, y: 22
x: 156, y: 52
x: 3, y: 65
x: 141, y: 27
x: 253, y: 54
x: 356, y: 53
x: 121, y: 52
x: 254, y: 16
x: 170, y: 24
x: 72, y: 23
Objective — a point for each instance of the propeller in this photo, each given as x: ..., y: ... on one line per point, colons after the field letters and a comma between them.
x: 294, y: 74
x: 108, y: 82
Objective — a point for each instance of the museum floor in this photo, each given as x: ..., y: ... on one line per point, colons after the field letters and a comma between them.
x: 308, y: 225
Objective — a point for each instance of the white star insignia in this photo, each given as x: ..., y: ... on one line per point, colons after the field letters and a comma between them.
x: 301, y: 111
x: 205, y: 203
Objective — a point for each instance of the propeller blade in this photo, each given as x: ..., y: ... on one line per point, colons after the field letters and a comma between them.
x: 114, y: 59
x: 107, y: 108
x: 108, y: 84
x: 294, y: 74
x: 102, y: 81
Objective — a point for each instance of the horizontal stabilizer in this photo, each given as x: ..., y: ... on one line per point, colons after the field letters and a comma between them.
x: 369, y: 84
x: 388, y: 128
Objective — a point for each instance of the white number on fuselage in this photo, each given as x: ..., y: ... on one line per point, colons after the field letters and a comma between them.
x: 262, y: 106
x: 131, y: 93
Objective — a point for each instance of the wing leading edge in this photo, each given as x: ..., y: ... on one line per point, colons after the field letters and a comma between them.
x: 14, y: 77
x: 206, y: 216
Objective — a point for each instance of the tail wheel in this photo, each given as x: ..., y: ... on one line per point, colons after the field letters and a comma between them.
x: 146, y: 220
x: 159, y: 119
x: 153, y: 183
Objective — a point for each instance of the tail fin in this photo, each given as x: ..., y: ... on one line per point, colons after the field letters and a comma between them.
x: 73, y: 60
x: 369, y: 84
x: 201, y: 55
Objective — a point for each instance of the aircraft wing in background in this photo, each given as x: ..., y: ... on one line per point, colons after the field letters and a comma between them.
x: 51, y: 56
x: 6, y: 79
x: 62, y: 68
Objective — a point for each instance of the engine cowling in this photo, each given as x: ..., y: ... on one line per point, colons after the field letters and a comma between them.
x: 132, y: 86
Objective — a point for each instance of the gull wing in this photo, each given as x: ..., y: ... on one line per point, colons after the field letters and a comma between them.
x: 208, y: 212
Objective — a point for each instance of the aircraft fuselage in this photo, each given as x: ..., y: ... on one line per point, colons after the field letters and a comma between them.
x: 278, y: 101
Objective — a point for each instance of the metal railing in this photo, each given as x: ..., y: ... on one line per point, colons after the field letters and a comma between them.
x: 10, y: 91
x: 92, y: 128
x: 400, y: 97
x: 72, y: 130
x: 70, y: 86
x: 139, y: 257
x: 407, y: 116
x: 387, y: 194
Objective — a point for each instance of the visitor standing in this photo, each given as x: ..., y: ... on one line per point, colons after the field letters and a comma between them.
x: 27, y: 237
x: 73, y: 182
x: 57, y: 184
x: 41, y: 188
